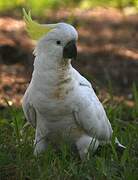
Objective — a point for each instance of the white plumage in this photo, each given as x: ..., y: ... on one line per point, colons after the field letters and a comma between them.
x: 61, y: 101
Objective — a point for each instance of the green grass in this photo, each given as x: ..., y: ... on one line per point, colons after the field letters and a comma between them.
x: 18, y: 162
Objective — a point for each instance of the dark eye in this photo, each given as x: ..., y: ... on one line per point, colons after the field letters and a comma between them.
x: 58, y: 42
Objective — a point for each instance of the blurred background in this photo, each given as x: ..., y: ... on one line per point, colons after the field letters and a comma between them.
x: 107, y: 45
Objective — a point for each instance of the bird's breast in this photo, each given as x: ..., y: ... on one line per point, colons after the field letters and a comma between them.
x: 61, y: 90
x: 53, y: 90
x: 64, y: 83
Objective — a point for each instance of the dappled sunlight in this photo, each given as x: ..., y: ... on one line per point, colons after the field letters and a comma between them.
x: 107, y: 51
x: 10, y: 24
x: 13, y: 83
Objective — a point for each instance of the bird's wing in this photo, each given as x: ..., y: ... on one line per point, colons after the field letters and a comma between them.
x: 29, y: 110
x: 90, y: 114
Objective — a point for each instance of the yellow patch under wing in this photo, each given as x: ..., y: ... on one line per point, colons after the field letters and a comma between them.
x: 34, y: 29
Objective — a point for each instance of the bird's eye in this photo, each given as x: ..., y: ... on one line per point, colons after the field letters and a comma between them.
x: 58, y: 42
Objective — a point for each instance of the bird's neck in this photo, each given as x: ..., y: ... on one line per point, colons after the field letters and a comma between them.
x: 52, y: 71
x: 53, y: 80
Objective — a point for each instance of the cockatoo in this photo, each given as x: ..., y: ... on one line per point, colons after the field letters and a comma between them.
x: 58, y: 100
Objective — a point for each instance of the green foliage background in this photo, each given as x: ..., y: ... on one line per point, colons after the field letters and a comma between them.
x: 41, y: 5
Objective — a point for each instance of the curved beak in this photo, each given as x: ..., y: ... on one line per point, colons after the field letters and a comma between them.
x: 70, y: 50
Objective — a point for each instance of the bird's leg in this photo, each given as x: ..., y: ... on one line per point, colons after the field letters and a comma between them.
x: 40, y: 139
x: 85, y: 143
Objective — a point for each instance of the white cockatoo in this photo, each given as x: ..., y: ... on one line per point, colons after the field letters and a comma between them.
x: 58, y: 99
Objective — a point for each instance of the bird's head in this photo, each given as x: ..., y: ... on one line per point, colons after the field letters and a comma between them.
x: 53, y: 40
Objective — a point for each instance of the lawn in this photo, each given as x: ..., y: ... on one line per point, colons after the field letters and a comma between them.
x: 18, y: 162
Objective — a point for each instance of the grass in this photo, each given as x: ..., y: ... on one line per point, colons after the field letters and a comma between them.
x: 17, y: 160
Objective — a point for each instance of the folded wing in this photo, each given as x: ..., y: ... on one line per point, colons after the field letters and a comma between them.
x: 29, y: 110
x: 91, y: 115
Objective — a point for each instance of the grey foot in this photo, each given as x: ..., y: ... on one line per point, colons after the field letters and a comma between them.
x: 40, y: 146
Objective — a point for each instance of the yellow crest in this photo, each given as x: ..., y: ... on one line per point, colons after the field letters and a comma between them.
x: 34, y: 29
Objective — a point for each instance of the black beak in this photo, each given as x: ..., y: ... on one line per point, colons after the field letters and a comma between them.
x: 70, y: 50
